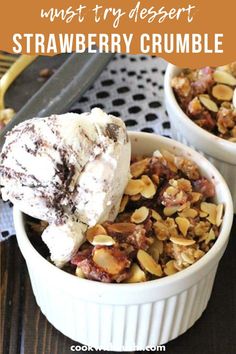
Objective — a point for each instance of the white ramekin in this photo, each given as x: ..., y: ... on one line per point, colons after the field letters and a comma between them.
x: 128, y: 317
x: 220, y: 152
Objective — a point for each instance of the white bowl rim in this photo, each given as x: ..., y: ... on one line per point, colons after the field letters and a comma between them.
x: 152, y: 284
x: 217, y: 144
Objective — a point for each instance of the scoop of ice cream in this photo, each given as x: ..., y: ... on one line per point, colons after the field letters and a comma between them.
x: 67, y: 166
x: 64, y: 240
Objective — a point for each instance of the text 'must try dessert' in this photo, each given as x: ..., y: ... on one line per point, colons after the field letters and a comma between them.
x: 208, y: 97
x: 100, y: 217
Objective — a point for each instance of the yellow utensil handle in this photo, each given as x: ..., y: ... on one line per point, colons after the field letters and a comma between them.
x: 21, y: 63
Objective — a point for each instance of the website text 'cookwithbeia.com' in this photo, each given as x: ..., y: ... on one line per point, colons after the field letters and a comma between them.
x: 85, y: 348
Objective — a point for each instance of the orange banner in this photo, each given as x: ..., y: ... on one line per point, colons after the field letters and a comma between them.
x: 189, y: 33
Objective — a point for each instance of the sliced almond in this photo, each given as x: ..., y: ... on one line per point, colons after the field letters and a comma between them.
x: 134, y: 187
x: 222, y: 92
x: 173, y: 182
x: 211, y: 210
x: 148, y: 263
x: 224, y: 68
x: 139, y: 215
x: 230, y: 68
x: 137, y: 275
x: 219, y: 214
x: 188, y: 258
x: 210, y: 236
x: 79, y: 273
x: 123, y: 203
x: 136, y: 197
x: 125, y: 228
x: 157, y: 153
x: 202, y: 214
x: 156, y: 179
x: 171, y: 191
x: 178, y: 265
x: 103, y: 240
x: 223, y: 77
x: 156, y: 249
x: 170, y: 268
x: 168, y: 211
x: 161, y: 230
x: 105, y: 260
x: 137, y: 168
x: 160, y: 246
x: 234, y: 98
x: 208, y: 103
x: 188, y: 213
x: 184, y: 206
x: 155, y: 215
x: 183, y: 225
x: 95, y: 230
x: 149, y: 189
x: 182, y: 241
x: 170, y: 158
x: 195, y: 197
x: 198, y: 254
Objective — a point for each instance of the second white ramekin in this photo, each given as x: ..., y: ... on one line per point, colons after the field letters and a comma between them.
x: 128, y: 317
x: 219, y: 152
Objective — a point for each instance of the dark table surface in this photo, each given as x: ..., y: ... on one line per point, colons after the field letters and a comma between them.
x: 24, y: 329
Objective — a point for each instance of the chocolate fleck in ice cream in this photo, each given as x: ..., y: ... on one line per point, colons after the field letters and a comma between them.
x: 66, y: 169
